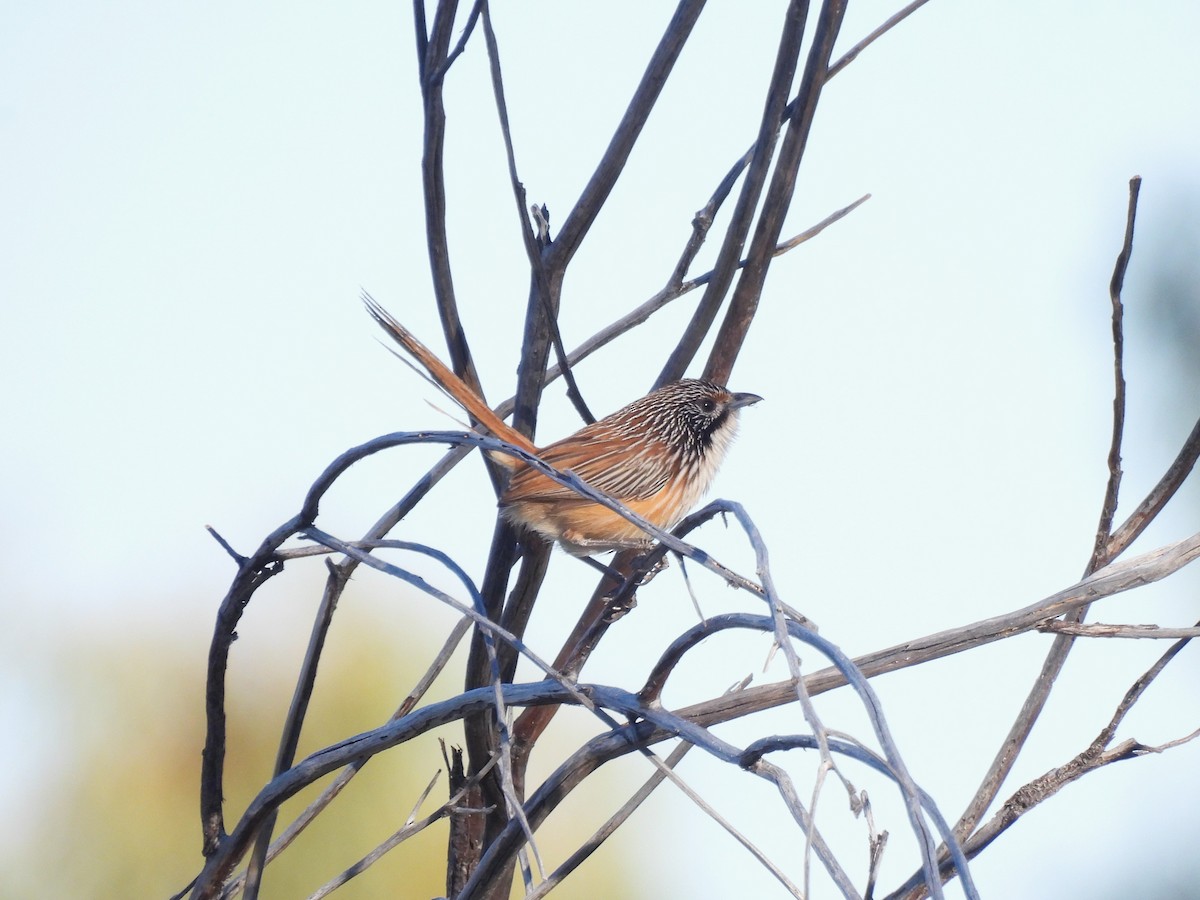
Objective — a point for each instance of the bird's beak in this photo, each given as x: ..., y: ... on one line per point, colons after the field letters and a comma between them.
x: 740, y: 400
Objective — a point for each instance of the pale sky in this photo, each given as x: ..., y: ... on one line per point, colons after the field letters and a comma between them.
x: 194, y: 196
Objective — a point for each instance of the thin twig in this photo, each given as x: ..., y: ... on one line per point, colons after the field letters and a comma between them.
x: 1096, y: 755
x: 294, y: 721
x: 533, y: 247
x: 410, y: 828
x: 808, y: 827
x: 658, y: 724
x: 461, y: 45
x: 434, y: 191
x: 1121, y: 576
x: 237, y: 557
x: 1099, y: 630
x: 852, y: 54
x: 1176, y: 474
x: 1039, y: 693
x: 1108, y: 509
x: 673, y: 292
x: 343, y: 778
x: 471, y: 612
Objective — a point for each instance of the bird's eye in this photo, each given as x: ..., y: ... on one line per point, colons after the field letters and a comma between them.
x: 708, y: 404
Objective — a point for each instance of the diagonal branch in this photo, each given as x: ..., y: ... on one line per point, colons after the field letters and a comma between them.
x: 852, y: 54
x: 744, y: 303
x: 786, y: 62
x: 579, y: 220
x: 1095, y: 756
x: 1116, y: 578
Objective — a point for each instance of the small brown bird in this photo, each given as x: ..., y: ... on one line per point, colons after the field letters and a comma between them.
x: 657, y: 456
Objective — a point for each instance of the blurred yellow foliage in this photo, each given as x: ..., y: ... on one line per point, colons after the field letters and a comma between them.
x: 118, y: 816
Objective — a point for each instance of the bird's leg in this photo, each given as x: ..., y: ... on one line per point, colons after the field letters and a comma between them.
x: 617, y: 580
x: 649, y: 570
x: 609, y: 571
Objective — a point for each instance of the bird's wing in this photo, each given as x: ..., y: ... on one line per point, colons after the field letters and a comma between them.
x: 628, y: 470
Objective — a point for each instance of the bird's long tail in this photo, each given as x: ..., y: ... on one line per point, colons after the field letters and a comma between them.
x: 445, y: 379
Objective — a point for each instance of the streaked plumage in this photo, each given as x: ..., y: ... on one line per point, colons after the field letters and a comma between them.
x: 657, y: 456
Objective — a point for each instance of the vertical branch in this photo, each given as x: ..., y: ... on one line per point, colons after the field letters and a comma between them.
x: 1006, y: 757
x: 421, y: 30
x: 599, y: 612
x: 786, y: 61
x: 253, y: 572
x: 579, y: 220
x: 1109, y: 508
x: 533, y: 247
x: 744, y: 303
x: 433, y: 73
x: 540, y: 287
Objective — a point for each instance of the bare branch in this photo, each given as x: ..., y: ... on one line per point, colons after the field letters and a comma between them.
x: 534, y: 247
x: 290, y: 739
x: 744, y: 303
x: 786, y: 61
x: 494, y: 814
x: 237, y: 557
x: 1176, y: 474
x: 1109, y: 508
x: 673, y: 292
x: 852, y: 54
x: 1039, y: 693
x: 1117, y: 631
x: 1095, y: 756
x: 1116, y: 578
x: 579, y: 220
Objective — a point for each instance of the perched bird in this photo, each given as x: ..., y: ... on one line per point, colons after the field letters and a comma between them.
x: 657, y: 456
